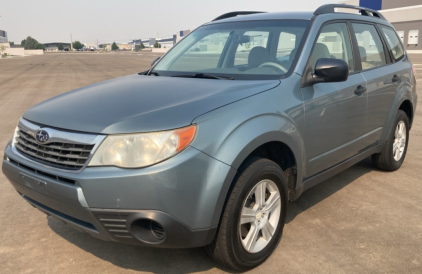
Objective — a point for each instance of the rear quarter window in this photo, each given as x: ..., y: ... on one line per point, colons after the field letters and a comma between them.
x: 394, y: 45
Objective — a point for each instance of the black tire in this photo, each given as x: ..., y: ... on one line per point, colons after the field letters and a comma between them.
x: 385, y: 160
x: 227, y: 248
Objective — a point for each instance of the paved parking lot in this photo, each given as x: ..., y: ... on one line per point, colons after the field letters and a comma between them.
x: 361, y: 221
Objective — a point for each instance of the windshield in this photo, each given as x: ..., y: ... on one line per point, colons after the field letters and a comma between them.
x: 251, y: 50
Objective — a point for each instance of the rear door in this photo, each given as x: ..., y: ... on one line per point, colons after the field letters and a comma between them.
x: 400, y: 66
x: 381, y: 76
x: 334, y: 113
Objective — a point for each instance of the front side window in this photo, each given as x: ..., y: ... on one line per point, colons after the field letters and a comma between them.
x: 393, y: 41
x: 371, y: 51
x: 240, y: 50
x: 333, y: 42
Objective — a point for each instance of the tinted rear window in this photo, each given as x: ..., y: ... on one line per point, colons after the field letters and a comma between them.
x: 394, y: 45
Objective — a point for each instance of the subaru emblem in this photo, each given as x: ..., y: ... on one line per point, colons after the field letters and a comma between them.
x: 42, y: 136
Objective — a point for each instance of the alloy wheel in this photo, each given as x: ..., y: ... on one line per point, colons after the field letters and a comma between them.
x: 399, y: 143
x: 260, y: 216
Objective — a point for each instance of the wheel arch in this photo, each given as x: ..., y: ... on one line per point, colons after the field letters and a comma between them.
x: 286, y: 156
x: 407, y: 107
x: 283, y: 156
x: 403, y: 102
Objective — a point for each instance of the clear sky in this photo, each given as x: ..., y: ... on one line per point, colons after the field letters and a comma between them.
x: 124, y: 20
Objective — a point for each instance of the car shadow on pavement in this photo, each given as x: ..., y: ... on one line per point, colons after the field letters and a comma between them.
x: 138, y: 258
x: 158, y: 260
x: 318, y: 193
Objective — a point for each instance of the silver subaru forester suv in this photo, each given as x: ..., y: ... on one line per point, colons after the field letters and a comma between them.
x: 208, y: 146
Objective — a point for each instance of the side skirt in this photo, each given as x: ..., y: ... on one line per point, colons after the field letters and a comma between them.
x: 328, y: 173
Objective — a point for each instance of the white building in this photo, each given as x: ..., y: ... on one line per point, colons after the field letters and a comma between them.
x: 404, y: 15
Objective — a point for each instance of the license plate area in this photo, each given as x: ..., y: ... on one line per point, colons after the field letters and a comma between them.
x: 34, y: 183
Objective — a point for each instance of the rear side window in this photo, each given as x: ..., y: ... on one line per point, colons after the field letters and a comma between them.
x: 371, y: 50
x: 393, y: 41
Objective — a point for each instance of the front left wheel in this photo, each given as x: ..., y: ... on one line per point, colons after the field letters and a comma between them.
x: 254, y: 216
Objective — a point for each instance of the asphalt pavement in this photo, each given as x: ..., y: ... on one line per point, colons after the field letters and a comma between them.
x: 362, y: 220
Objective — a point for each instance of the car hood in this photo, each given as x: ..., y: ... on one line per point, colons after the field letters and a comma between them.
x: 138, y: 103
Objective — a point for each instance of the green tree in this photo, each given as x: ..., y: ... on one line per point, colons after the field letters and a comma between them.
x: 157, y: 45
x: 60, y: 46
x: 141, y: 46
x: 39, y: 46
x: 2, y: 49
x: 12, y: 43
x: 114, y: 46
x: 23, y: 42
x: 30, y: 43
x: 77, y: 45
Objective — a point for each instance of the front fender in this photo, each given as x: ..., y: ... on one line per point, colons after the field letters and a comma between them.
x: 229, y: 134
x: 232, y: 132
x: 234, y: 146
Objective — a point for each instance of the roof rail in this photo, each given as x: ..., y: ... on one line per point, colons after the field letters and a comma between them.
x: 330, y: 8
x: 235, y: 13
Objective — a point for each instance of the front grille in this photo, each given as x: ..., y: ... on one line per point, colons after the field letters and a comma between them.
x: 60, y: 155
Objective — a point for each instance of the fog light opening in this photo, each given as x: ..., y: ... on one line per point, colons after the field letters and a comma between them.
x: 148, y: 231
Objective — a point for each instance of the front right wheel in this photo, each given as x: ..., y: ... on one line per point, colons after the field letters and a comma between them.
x: 253, y: 218
x: 392, y: 156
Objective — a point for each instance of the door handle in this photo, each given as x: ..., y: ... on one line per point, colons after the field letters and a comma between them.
x: 396, y: 79
x: 360, y: 90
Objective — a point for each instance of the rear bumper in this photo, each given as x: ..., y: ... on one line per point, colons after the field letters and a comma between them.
x: 66, y: 199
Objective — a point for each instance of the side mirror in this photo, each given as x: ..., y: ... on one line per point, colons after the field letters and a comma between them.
x: 244, y: 39
x: 155, y: 61
x: 330, y: 70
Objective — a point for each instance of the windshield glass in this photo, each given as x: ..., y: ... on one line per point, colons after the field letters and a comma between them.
x: 251, y: 50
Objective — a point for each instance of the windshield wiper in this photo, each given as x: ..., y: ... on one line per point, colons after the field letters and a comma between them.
x: 204, y: 76
x: 153, y: 73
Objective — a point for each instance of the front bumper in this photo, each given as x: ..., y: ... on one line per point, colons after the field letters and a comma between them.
x: 181, y: 195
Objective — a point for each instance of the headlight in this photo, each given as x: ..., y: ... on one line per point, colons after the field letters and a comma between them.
x: 143, y: 149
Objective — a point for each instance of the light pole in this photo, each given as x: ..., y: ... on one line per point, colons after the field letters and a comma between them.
x: 71, y: 43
